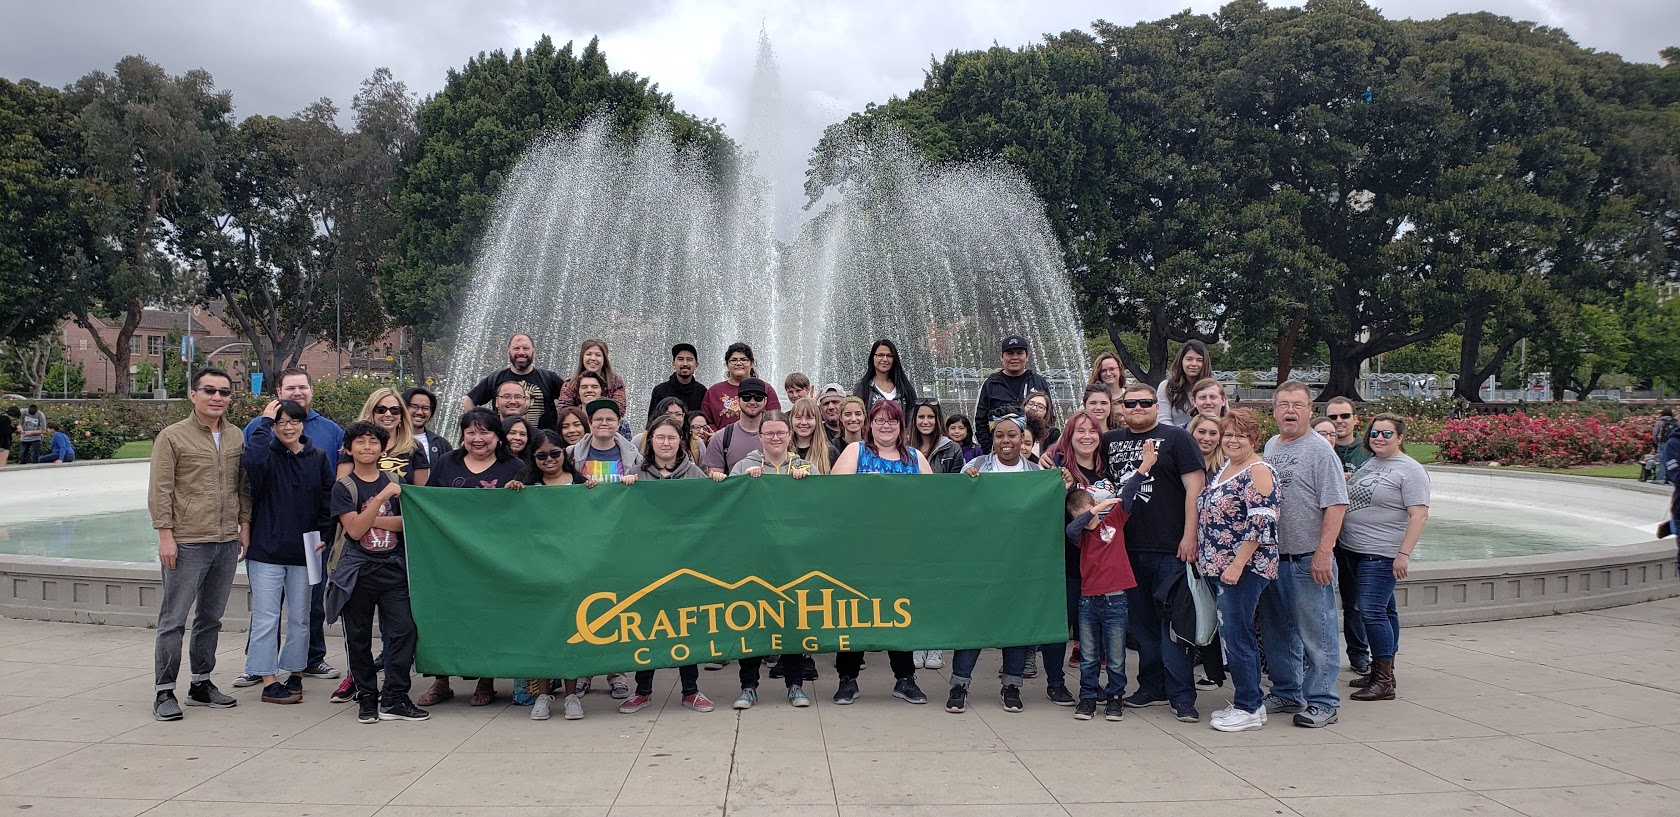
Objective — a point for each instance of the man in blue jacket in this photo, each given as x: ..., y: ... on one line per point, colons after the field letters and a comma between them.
x: 59, y: 446
x: 326, y: 435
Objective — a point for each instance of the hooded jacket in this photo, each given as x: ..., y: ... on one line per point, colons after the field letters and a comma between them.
x: 1003, y: 390
x: 290, y: 495
x: 684, y: 470
x: 692, y: 393
x: 631, y: 458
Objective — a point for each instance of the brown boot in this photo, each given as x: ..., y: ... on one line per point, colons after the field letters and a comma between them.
x: 1365, y: 680
x: 1381, y: 687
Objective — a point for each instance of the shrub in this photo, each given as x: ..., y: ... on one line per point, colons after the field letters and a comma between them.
x: 1561, y: 441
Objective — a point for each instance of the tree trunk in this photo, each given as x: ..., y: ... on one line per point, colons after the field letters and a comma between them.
x: 125, y: 333
x: 416, y: 356
x: 1286, y: 341
x: 1344, y: 371
x: 1469, y: 354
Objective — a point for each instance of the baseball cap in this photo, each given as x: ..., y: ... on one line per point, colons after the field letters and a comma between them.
x: 752, y: 385
x: 831, y: 390
x: 603, y: 403
x: 1013, y: 342
x: 685, y: 347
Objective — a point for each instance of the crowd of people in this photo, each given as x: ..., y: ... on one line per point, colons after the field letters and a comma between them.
x: 1168, y: 488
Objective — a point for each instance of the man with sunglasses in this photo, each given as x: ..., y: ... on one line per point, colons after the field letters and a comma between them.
x: 1006, y: 388
x: 202, y: 513
x: 1351, y: 451
x: 1160, y: 539
x: 732, y: 443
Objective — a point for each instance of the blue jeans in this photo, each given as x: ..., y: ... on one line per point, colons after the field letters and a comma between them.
x: 270, y: 585
x: 963, y: 661
x: 1353, y: 627
x: 1237, y: 605
x: 1374, y: 575
x: 1102, y: 639
x: 1163, y: 665
x: 1300, y: 635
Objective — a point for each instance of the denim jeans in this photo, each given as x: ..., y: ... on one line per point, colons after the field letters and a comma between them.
x: 1374, y: 576
x: 1163, y: 664
x: 1353, y: 625
x: 688, y: 674
x: 29, y: 452
x: 963, y: 661
x: 1102, y: 639
x: 1237, y: 605
x: 265, y: 653
x: 203, y: 573
x: 383, y: 588
x: 1299, y: 634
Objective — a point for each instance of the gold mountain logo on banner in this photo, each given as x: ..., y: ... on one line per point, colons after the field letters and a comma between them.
x: 744, y: 614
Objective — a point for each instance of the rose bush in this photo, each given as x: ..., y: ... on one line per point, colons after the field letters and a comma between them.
x: 1562, y: 441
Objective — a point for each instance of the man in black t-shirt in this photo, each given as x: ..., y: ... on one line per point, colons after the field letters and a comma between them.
x: 1160, y: 538
x: 682, y: 383
x: 541, y: 385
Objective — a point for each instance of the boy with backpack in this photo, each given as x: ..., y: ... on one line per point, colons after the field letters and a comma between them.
x: 372, y: 574
x: 1105, y: 574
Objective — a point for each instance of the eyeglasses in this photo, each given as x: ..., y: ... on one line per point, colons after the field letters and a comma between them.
x: 927, y: 401
x: 215, y: 392
x: 884, y: 421
x: 377, y: 410
x: 1145, y: 403
x: 1384, y: 433
x: 287, y: 422
x: 422, y: 407
x: 1347, y: 416
x: 543, y: 456
x: 753, y: 398
x: 773, y: 435
x: 739, y: 360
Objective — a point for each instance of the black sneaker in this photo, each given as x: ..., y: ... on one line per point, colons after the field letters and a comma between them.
x: 1186, y: 713
x: 1141, y: 699
x: 321, y: 669
x: 1059, y: 695
x: 957, y: 703
x: 367, y: 709
x: 1011, y: 696
x: 379, y: 661
x: 846, y: 691
x: 810, y: 669
x: 906, y: 688
x: 204, y: 693
x: 277, y: 693
x: 294, y: 685
x: 403, y: 710
x: 1086, y: 708
x: 1114, y: 711
x: 165, y: 707
x: 776, y: 670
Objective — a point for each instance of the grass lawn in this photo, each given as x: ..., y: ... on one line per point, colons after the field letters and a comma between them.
x: 1426, y: 453
x: 1423, y: 452
x: 138, y: 448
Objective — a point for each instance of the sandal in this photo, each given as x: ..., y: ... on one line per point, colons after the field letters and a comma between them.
x: 439, y: 693
x: 485, y: 694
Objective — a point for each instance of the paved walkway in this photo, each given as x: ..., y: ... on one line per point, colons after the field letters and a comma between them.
x: 1566, y: 715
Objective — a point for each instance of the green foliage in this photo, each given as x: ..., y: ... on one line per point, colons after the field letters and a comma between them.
x: 69, y: 381
x: 1438, y: 355
x: 473, y: 132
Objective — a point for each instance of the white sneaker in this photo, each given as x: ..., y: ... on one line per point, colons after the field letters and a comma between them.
x: 1239, y: 721
x: 919, y: 657
x: 935, y: 659
x: 571, y: 708
x: 539, y: 709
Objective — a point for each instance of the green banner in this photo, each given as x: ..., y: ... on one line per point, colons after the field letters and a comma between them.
x: 572, y: 582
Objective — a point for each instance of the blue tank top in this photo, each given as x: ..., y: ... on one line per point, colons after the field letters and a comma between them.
x: 871, y: 463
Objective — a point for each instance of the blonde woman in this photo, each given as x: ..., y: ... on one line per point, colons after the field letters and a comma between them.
x: 809, y: 441
x: 852, y: 414
x: 1204, y: 429
x: 404, y: 458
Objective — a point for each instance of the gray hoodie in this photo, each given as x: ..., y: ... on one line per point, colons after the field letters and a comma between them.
x: 988, y: 462
x: 631, y: 457
x: 684, y: 470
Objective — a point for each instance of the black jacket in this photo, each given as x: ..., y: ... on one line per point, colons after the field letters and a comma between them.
x: 947, y: 457
x: 691, y: 393
x: 436, y: 446
x: 1002, y: 390
x: 290, y: 495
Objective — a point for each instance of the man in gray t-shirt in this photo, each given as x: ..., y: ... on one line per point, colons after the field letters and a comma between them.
x: 1298, y: 611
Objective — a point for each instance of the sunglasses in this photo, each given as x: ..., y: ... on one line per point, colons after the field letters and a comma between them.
x: 1347, y: 416
x: 752, y: 398
x: 1146, y: 403
x: 1384, y: 433
x: 542, y: 456
x: 377, y: 410
x: 927, y: 401
x: 215, y: 392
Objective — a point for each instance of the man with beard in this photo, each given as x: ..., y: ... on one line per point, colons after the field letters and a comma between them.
x: 541, y: 385
x: 681, y: 385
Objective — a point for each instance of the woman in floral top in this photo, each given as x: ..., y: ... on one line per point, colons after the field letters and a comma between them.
x: 1237, y: 535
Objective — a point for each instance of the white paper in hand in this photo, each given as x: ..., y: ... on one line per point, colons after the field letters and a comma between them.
x: 312, y: 555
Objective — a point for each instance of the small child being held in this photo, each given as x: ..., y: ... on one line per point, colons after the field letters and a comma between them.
x: 1105, y: 574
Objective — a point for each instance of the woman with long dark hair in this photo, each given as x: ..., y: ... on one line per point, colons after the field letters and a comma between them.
x: 961, y: 431
x: 884, y: 379
x: 1107, y: 370
x: 521, y: 438
x: 884, y: 449
x: 1040, y: 412
x: 927, y: 436
x: 1385, y: 519
x: 592, y: 357
x: 1175, y: 392
x: 574, y: 425
x: 697, y: 430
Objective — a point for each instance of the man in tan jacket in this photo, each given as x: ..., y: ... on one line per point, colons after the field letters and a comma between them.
x: 202, y: 514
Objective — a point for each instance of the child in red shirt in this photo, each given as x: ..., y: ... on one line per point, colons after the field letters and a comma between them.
x: 1105, y: 574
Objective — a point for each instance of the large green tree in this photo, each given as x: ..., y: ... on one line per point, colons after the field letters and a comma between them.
x: 471, y: 134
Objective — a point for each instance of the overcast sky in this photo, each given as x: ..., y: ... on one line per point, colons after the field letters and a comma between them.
x: 279, y: 55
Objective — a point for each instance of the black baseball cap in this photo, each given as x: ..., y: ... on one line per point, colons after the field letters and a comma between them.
x: 1013, y: 342
x: 600, y: 405
x: 753, y: 385
x: 685, y: 347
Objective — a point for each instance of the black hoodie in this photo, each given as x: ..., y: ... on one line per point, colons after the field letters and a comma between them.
x: 691, y: 393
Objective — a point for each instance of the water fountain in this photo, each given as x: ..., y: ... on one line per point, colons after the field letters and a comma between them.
x: 634, y: 242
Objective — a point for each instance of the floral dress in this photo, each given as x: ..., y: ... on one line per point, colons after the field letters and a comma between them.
x: 1230, y: 511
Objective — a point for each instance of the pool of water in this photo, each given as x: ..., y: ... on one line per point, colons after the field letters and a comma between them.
x: 1457, y: 530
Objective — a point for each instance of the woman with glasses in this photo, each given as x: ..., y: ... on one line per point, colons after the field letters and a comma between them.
x: 670, y: 405
x: 404, y: 459
x: 551, y: 467
x: 1041, y: 424
x: 884, y: 449
x: 1108, y: 371
x: 1388, y: 506
x: 697, y: 430
x: 884, y: 378
x: 1174, y: 393
x: 722, y: 404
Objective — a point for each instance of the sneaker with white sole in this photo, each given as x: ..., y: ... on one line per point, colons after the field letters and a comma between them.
x: 345, y: 693
x: 957, y: 702
x: 1031, y: 670
x: 247, y: 680
x: 541, y: 706
x: 1315, y: 717
x: 747, y: 698
x: 618, y: 687
x: 1233, y: 719
x: 635, y: 703
x: 935, y: 659
x: 919, y: 658
x: 797, y: 696
x: 1278, y: 705
x: 697, y: 701
x: 321, y: 669
x: 572, y: 708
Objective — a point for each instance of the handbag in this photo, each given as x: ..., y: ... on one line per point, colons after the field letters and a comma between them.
x: 1207, y: 611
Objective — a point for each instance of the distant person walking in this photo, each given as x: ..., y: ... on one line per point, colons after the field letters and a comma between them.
x: 202, y: 513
